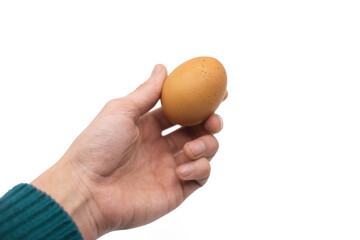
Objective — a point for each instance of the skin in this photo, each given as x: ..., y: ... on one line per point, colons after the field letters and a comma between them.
x: 121, y: 172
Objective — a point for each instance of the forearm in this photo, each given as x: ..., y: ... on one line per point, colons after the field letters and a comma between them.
x: 64, y: 186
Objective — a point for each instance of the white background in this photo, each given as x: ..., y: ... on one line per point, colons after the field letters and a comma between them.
x: 289, y: 161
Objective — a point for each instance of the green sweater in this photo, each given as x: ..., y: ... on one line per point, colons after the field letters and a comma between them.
x: 28, y: 213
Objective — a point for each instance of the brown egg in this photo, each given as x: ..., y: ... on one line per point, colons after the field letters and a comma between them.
x: 193, y: 91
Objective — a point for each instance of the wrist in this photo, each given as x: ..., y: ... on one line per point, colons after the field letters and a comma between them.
x: 64, y: 186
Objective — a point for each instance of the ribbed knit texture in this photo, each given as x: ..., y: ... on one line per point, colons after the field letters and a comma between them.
x: 28, y: 213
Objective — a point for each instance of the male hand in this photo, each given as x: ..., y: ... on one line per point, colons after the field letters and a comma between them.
x: 121, y: 172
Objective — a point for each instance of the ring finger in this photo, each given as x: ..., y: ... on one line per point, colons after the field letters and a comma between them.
x: 205, y: 146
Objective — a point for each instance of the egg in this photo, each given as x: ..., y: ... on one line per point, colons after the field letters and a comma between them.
x: 193, y: 91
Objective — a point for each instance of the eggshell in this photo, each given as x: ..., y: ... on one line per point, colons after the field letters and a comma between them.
x: 193, y: 91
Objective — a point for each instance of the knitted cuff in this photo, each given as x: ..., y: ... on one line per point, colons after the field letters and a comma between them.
x: 28, y: 213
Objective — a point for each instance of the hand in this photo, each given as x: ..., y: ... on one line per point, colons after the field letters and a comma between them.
x: 121, y: 172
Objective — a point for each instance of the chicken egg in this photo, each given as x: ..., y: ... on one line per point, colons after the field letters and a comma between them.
x: 193, y: 91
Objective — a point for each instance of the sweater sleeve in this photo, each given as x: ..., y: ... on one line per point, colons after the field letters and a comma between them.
x: 28, y: 213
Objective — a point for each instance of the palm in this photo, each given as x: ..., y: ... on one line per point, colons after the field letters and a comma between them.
x: 134, y: 179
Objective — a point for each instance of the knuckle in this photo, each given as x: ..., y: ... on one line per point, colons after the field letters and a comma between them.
x: 141, y: 86
x: 206, y: 173
x: 113, y: 103
x: 215, y: 142
x: 122, y: 105
x: 212, y: 144
x: 206, y: 167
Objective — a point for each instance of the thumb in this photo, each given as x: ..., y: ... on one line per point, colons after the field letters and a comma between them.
x: 147, y: 94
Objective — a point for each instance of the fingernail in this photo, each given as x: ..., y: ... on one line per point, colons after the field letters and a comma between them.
x: 196, y: 148
x: 186, y: 170
x: 157, y: 69
x: 221, y: 123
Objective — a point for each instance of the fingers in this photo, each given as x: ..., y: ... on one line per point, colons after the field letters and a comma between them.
x: 193, y: 162
x: 214, y: 124
x: 178, y: 138
x: 205, y: 146
x: 198, y: 171
x: 148, y: 93
x: 194, y: 174
x: 194, y: 167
